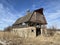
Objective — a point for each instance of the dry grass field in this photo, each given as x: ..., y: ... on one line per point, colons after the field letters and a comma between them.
x: 12, y: 39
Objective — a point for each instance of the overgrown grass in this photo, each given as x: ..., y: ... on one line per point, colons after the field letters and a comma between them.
x: 13, y: 39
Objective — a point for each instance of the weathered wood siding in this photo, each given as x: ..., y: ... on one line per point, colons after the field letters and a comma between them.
x: 37, y: 17
x: 33, y: 18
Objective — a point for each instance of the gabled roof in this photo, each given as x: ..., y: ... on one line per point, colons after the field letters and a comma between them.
x: 23, y: 19
x: 27, y: 17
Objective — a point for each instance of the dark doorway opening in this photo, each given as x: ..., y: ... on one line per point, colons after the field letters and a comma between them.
x: 38, y: 31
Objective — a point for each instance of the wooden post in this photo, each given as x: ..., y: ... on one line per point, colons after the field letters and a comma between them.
x: 41, y: 30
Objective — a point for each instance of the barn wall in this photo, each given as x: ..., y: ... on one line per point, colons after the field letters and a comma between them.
x: 25, y: 32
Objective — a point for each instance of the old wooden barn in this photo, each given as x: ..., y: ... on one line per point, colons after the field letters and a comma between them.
x: 30, y: 24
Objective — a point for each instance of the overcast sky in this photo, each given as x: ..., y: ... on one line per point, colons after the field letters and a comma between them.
x: 11, y: 10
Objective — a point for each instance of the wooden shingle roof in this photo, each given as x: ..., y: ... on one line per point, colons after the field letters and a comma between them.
x: 27, y: 17
x: 23, y: 19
